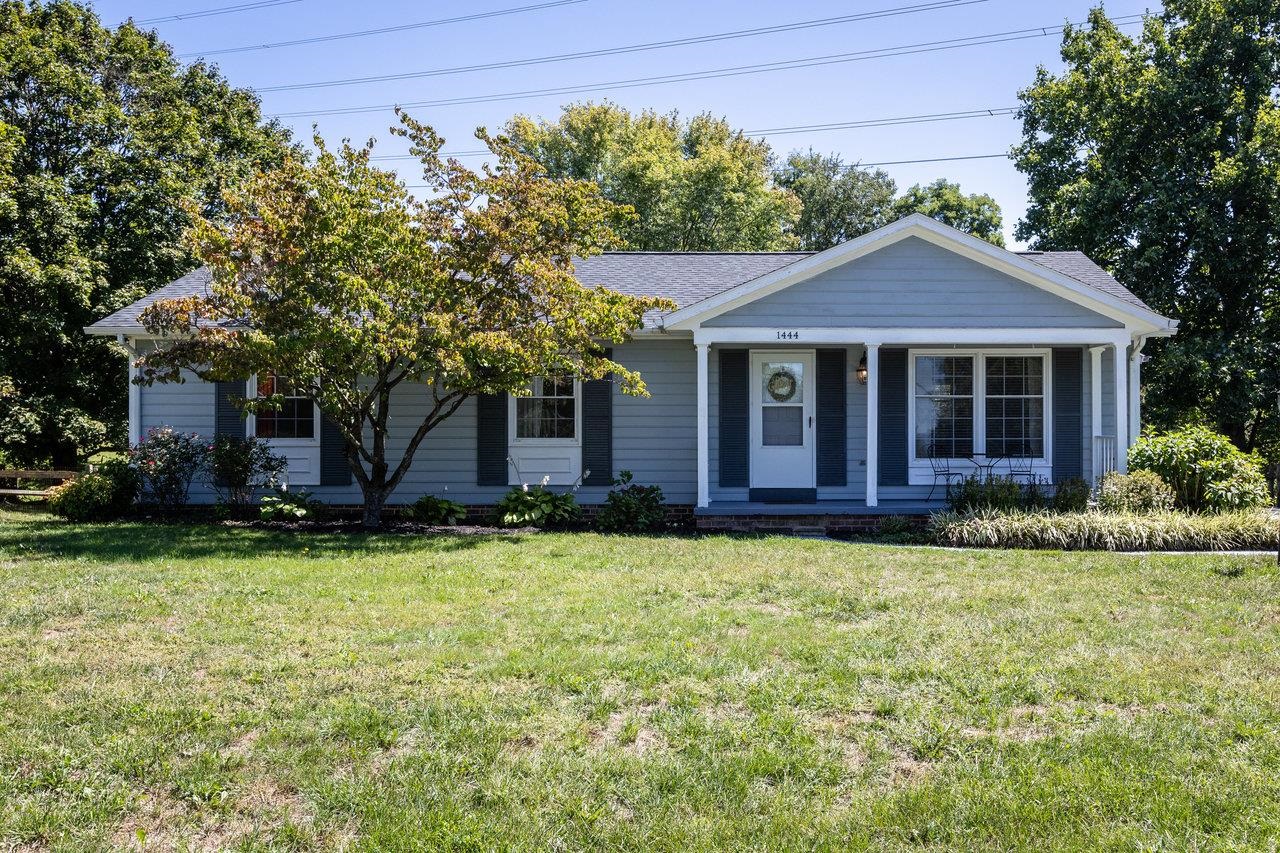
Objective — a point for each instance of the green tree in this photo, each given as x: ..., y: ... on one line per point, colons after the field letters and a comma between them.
x: 1160, y: 156
x: 103, y: 136
x: 976, y: 214
x: 696, y: 185
x: 332, y: 274
x: 839, y: 202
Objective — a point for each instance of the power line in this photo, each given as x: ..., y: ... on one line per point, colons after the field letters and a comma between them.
x: 992, y: 112
x: 220, y: 10
x: 514, y: 10
x: 716, y: 73
x: 854, y: 166
x: 933, y: 5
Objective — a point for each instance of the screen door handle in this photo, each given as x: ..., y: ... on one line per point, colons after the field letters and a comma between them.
x: 810, y: 421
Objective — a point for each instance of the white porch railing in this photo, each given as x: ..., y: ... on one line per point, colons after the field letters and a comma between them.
x: 1104, y: 455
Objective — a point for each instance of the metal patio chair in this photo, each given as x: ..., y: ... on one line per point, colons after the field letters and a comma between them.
x: 942, y: 473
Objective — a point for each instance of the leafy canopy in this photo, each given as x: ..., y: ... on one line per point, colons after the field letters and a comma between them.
x: 104, y: 137
x: 332, y: 274
x: 840, y: 202
x: 1159, y: 156
x: 696, y: 185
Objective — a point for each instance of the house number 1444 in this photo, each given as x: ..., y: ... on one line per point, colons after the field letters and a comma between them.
x: 788, y: 336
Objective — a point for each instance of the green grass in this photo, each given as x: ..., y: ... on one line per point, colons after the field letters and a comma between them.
x: 204, y: 687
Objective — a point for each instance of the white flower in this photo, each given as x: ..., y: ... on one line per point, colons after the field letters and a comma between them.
x: 546, y: 479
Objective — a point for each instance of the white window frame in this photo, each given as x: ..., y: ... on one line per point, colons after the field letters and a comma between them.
x: 251, y: 393
x: 526, y: 453
x: 302, y: 454
x: 920, y: 469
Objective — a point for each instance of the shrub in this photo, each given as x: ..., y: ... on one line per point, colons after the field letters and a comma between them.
x: 536, y: 506
x: 1206, y: 471
x: 1137, y: 492
x: 433, y: 510
x: 1071, y: 495
x: 168, y: 461
x: 975, y: 493
x: 239, y: 467
x: 1099, y: 531
x: 103, y: 495
x: 632, y: 508
x: 285, y: 505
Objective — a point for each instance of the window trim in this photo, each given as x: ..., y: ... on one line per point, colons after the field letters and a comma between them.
x: 576, y: 441
x: 921, y: 464
x: 251, y: 421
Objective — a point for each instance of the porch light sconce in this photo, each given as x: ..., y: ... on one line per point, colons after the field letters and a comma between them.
x: 862, y: 370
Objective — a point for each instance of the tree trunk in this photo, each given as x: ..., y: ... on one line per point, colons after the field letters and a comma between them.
x: 374, y: 499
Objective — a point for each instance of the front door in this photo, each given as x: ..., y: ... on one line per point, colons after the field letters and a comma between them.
x: 782, y: 436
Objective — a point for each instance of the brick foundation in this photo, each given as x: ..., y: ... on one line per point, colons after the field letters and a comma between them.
x: 839, y: 526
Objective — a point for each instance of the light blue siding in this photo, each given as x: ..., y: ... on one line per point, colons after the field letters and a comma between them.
x: 916, y: 284
x: 654, y: 437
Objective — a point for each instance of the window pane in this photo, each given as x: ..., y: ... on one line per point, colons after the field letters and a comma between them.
x: 1015, y: 406
x: 546, y: 416
x: 783, y: 426
x: 944, y: 427
x: 783, y: 382
x: 944, y: 375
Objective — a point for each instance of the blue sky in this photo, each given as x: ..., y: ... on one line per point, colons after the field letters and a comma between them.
x: 924, y: 83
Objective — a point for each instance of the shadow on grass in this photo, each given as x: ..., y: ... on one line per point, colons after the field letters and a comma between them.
x: 26, y: 533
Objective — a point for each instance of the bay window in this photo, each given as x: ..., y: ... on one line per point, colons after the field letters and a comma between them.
x: 967, y: 404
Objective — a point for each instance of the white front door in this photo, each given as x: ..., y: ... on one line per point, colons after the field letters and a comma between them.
x: 782, y: 410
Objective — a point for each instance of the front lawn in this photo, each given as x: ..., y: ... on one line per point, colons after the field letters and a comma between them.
x: 212, y: 687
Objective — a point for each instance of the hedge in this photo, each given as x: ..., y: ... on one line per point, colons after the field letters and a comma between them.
x: 1099, y: 531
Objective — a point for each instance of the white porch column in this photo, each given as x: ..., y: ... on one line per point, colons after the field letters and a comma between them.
x: 1122, y: 405
x: 873, y: 424
x: 1095, y: 409
x: 704, y: 424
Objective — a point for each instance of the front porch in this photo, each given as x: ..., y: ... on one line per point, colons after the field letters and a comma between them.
x: 859, y: 457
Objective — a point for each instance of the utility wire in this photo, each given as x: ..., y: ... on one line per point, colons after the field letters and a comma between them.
x: 855, y: 166
x: 993, y: 112
x: 514, y: 10
x: 220, y: 10
x: 715, y: 73
x: 895, y: 11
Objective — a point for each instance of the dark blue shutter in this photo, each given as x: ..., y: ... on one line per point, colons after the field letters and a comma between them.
x: 735, y: 423
x: 833, y: 444
x: 491, y: 440
x: 893, y: 417
x: 334, y: 470
x: 227, y: 418
x: 597, y: 430
x: 1068, y: 413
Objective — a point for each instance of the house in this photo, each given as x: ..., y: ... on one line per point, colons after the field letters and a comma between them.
x: 852, y: 381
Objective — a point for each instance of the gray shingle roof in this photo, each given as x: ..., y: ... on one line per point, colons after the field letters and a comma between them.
x: 1079, y: 266
x: 683, y: 277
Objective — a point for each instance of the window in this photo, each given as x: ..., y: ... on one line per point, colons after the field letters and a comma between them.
x: 296, y: 418
x: 944, y: 407
x: 1015, y: 406
x: 551, y: 410
x: 992, y: 404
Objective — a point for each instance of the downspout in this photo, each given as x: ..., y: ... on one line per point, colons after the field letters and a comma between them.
x: 135, y: 391
x: 1136, y: 358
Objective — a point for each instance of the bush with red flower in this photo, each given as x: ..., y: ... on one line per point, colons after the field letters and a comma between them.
x: 168, y: 461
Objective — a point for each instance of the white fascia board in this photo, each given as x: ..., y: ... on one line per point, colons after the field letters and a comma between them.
x: 942, y: 336
x: 944, y: 236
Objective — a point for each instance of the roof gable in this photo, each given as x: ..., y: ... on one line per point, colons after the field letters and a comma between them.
x: 911, y: 283
x: 1107, y: 297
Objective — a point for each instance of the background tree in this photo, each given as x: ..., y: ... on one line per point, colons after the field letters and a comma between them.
x: 1160, y: 157
x: 838, y: 202
x: 331, y: 274
x: 103, y: 136
x: 696, y: 185
x: 976, y: 214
